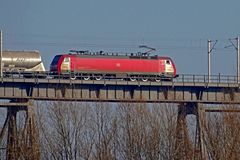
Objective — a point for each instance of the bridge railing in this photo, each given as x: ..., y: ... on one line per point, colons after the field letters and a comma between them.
x: 204, y: 78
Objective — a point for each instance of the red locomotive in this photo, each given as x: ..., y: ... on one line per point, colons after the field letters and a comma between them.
x: 97, y: 65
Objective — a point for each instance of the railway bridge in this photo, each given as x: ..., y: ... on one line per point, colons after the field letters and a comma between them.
x: 189, y: 92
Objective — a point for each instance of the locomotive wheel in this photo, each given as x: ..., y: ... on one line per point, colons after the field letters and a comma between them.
x: 73, y: 77
x: 133, y: 78
x: 158, y: 79
x: 86, y: 78
x: 144, y: 78
x: 98, y: 77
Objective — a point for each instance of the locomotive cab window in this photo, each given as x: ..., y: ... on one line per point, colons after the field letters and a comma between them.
x: 55, y: 60
x: 168, y: 62
x: 66, y: 59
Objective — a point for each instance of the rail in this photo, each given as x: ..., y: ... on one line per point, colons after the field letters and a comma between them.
x: 182, y: 78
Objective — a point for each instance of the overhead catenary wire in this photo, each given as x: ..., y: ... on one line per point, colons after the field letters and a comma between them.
x: 75, y: 41
x: 107, y: 45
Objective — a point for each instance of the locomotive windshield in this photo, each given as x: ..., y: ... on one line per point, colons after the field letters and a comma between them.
x: 55, y: 60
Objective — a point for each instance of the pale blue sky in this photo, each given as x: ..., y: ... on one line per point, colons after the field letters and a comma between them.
x: 177, y: 28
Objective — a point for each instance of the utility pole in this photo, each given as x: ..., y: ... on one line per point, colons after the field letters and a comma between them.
x: 1, y: 44
x: 210, y: 48
x: 236, y: 46
x: 238, y: 60
x: 209, y: 60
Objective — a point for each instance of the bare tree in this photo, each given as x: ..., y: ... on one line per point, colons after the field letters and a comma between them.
x: 65, y: 133
x: 105, y: 123
x: 147, y: 132
x: 103, y: 131
x: 223, y: 132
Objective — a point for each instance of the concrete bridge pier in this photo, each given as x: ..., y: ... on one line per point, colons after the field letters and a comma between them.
x: 21, y: 134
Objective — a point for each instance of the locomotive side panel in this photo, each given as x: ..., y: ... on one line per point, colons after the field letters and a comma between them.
x: 131, y: 66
